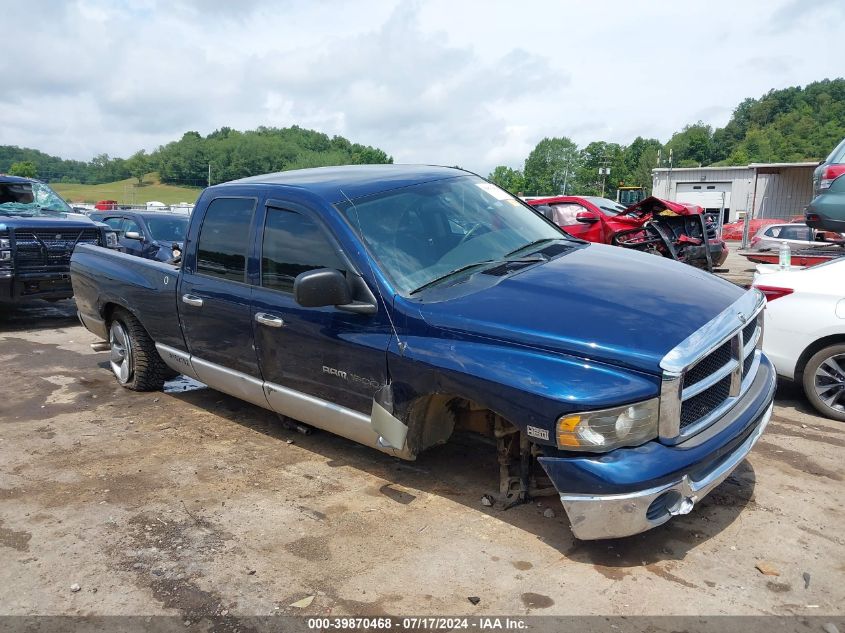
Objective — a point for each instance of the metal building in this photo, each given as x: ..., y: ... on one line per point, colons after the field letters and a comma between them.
x: 770, y: 190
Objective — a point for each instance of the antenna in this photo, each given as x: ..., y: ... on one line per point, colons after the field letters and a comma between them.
x: 402, y: 345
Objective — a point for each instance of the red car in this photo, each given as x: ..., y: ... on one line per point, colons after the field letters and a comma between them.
x: 672, y: 229
x: 106, y: 205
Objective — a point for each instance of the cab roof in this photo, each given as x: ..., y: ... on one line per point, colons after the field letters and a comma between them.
x: 335, y: 184
x: 16, y: 179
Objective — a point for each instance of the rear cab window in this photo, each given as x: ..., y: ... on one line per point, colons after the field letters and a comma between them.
x: 224, y: 238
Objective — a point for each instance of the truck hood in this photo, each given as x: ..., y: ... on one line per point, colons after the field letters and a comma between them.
x: 69, y: 221
x: 596, y: 302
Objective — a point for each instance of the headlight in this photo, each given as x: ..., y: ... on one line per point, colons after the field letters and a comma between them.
x: 111, y: 239
x: 5, y: 243
x: 600, y: 431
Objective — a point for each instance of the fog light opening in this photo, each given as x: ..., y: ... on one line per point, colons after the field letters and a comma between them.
x: 670, y: 503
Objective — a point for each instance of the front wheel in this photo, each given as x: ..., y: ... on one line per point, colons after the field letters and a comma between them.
x: 824, y: 381
x: 133, y: 357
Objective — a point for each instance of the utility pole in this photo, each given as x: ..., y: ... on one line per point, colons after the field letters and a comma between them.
x: 604, y: 172
x: 209, y: 174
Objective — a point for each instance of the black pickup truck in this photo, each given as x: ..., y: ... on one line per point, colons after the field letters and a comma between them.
x: 38, y: 232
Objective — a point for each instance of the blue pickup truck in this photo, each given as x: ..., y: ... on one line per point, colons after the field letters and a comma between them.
x: 397, y: 305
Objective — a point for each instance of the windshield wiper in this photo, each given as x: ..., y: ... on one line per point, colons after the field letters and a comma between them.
x: 452, y: 273
x: 534, y: 243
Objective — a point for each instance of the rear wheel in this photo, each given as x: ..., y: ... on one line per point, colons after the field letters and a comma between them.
x: 133, y: 357
x: 824, y: 381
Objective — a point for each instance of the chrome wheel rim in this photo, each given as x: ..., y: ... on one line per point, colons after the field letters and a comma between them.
x: 829, y: 382
x: 121, y: 353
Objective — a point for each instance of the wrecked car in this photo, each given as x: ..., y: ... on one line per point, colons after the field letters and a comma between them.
x: 660, y: 227
x: 399, y: 305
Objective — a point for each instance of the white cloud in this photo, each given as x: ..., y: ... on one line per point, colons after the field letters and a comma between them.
x: 471, y: 83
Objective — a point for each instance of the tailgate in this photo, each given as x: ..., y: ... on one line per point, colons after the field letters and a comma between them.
x: 103, y: 278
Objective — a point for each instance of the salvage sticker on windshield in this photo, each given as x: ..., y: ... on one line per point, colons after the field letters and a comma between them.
x: 493, y: 190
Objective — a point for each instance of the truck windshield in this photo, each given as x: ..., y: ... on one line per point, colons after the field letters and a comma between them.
x: 30, y: 199
x: 167, y: 229
x: 425, y: 232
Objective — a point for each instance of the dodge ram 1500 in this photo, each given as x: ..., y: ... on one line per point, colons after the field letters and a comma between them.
x: 395, y: 305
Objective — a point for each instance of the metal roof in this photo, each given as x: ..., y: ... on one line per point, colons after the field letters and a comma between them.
x: 749, y: 166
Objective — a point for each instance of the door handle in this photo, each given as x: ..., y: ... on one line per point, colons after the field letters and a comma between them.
x: 270, y: 320
x: 192, y: 300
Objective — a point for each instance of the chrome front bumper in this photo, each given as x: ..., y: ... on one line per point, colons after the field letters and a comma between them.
x: 614, y: 516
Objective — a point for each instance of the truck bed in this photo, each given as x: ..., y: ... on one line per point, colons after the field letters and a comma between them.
x: 146, y: 287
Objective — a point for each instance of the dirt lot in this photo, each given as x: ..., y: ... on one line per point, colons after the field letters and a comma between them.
x: 194, y: 503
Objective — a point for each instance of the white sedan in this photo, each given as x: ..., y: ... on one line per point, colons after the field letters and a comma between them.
x: 804, y: 331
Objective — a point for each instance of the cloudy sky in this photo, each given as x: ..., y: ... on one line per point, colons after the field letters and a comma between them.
x: 474, y: 83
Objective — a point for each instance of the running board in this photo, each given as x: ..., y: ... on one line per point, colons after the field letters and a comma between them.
x: 303, y: 407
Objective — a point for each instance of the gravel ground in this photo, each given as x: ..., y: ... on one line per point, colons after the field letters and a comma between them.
x: 192, y: 503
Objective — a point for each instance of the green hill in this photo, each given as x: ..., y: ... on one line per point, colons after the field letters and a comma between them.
x: 128, y: 191
x: 793, y: 124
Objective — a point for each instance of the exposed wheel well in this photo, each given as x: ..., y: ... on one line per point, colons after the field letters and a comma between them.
x: 107, y: 310
x: 434, y: 418
x: 814, y: 347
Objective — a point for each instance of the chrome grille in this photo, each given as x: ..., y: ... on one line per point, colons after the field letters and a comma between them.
x: 696, y: 407
x: 707, y: 373
x: 748, y: 330
x: 708, y: 365
x: 37, y: 248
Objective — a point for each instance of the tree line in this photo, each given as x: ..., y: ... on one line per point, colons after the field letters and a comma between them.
x: 230, y: 153
x: 789, y: 125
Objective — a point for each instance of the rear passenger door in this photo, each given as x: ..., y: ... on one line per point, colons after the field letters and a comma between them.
x: 325, y: 352
x: 215, y: 300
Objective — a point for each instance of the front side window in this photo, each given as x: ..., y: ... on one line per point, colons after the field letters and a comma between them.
x: 115, y: 223
x: 422, y: 233
x: 224, y: 238
x: 565, y: 214
x: 168, y: 229
x: 293, y: 244
x: 132, y: 226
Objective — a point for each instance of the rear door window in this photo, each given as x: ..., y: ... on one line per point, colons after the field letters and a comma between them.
x: 293, y: 244
x: 224, y: 238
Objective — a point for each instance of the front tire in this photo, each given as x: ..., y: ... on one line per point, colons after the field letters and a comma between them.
x: 824, y: 381
x: 133, y: 358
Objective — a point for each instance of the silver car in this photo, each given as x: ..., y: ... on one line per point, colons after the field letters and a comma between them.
x: 769, y: 237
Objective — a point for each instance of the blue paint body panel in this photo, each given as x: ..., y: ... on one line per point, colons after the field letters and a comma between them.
x: 585, y: 330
